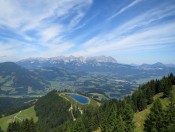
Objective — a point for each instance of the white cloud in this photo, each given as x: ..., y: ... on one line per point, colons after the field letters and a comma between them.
x: 147, y: 18
x: 31, y: 13
x: 51, y: 21
x: 124, y: 9
x: 146, y: 33
x: 40, y: 17
x: 76, y: 19
x: 56, y: 49
x: 8, y: 51
x: 50, y: 33
x: 153, y: 37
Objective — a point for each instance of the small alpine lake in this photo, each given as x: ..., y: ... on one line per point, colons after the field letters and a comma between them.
x: 79, y: 98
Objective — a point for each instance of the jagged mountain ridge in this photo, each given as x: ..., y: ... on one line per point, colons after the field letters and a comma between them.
x: 89, y: 64
x: 83, y: 60
x: 77, y: 61
x: 98, y: 64
x: 30, y: 62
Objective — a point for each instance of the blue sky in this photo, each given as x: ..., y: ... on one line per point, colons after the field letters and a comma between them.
x: 132, y: 31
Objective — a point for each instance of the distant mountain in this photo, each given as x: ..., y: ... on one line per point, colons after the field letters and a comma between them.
x: 157, y: 65
x: 170, y: 65
x: 63, y: 61
x: 99, y: 64
x: 16, y: 79
x: 102, y: 59
x: 90, y: 64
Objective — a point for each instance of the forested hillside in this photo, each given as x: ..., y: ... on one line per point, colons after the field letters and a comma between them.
x: 160, y: 119
x: 52, y: 111
x: 12, y: 105
x: 112, y: 116
x: 26, y: 125
x: 15, y: 79
x: 144, y: 95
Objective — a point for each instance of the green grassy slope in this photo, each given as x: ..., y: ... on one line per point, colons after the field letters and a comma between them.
x: 100, y: 96
x: 27, y: 113
x: 139, y: 117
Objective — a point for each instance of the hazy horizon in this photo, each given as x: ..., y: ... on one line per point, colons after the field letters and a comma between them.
x: 90, y: 56
x: 131, y: 31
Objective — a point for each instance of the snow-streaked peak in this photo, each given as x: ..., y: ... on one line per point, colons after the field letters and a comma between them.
x: 69, y: 59
x: 34, y: 59
x: 101, y: 59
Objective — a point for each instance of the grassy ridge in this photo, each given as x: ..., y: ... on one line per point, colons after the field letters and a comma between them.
x: 27, y: 113
x: 140, y: 117
x: 101, y: 96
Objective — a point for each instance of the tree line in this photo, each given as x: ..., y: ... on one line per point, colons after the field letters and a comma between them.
x: 26, y: 125
x: 159, y: 119
x: 10, y: 105
x: 52, y: 110
x: 142, y: 97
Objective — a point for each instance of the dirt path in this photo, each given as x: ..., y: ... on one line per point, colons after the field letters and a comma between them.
x: 70, y: 109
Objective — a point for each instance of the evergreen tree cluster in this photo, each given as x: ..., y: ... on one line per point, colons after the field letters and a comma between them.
x: 159, y: 119
x: 111, y: 116
x: 52, y: 110
x: 10, y: 105
x: 76, y: 111
x: 144, y: 95
x: 1, y: 130
x: 24, y: 126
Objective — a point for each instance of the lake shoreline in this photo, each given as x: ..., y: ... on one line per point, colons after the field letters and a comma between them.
x: 76, y: 94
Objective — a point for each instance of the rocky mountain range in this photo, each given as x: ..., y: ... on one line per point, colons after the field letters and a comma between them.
x: 97, y: 63
x: 40, y: 62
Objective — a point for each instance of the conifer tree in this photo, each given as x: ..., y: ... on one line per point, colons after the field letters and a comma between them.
x: 13, y: 126
x: 79, y: 126
x: 169, y: 118
x: 10, y: 128
x: 119, y: 125
x: 154, y: 121
x: 32, y: 126
x: 1, y: 130
x: 127, y: 115
x: 141, y: 101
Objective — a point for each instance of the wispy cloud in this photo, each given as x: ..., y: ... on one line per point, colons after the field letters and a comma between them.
x: 144, y: 40
x: 41, y: 23
x: 80, y: 27
x: 56, y: 49
x: 124, y: 9
x: 49, y: 33
x: 144, y: 32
